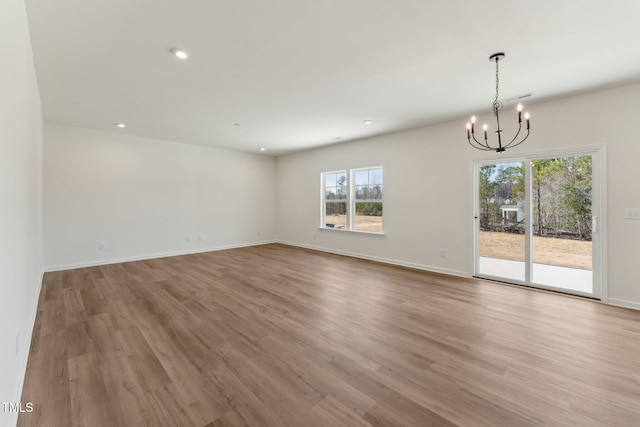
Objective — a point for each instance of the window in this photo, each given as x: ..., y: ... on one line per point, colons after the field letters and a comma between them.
x: 352, y: 200
x: 335, y: 199
x: 368, y: 200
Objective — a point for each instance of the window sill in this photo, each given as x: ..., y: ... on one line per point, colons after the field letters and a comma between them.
x: 342, y: 230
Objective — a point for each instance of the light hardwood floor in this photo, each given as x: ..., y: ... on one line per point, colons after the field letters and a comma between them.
x: 280, y: 336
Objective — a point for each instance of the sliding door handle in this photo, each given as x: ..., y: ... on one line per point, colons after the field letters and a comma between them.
x: 594, y: 224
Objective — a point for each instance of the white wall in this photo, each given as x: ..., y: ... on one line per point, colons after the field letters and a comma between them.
x: 427, y: 186
x: 143, y: 197
x: 20, y: 199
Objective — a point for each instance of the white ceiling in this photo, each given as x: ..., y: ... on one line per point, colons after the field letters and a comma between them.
x: 299, y: 73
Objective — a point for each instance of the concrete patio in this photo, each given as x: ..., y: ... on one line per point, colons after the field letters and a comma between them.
x: 563, y: 278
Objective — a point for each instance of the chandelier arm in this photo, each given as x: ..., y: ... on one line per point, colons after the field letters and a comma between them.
x: 485, y: 145
x: 481, y: 147
x: 515, y: 137
x: 523, y: 139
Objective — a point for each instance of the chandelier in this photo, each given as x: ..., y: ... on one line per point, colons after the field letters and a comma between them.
x: 497, y: 105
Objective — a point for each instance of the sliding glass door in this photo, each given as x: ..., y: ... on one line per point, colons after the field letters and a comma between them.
x: 536, y: 221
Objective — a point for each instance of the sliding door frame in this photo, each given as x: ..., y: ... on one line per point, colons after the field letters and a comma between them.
x: 599, y: 210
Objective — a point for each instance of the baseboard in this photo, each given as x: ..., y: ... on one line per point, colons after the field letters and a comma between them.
x: 26, y: 349
x: 380, y: 259
x: 624, y: 303
x: 153, y: 256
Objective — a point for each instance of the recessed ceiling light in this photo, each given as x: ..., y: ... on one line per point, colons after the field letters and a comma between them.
x: 368, y: 122
x: 180, y: 53
x: 263, y: 149
x: 236, y: 124
x: 120, y: 125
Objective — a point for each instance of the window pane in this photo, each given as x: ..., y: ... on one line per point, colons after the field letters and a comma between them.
x: 375, y: 192
x: 375, y: 176
x: 341, y: 193
x: 362, y: 192
x: 330, y: 180
x: 368, y: 216
x: 335, y: 215
x: 342, y: 179
x: 330, y: 193
x: 361, y: 177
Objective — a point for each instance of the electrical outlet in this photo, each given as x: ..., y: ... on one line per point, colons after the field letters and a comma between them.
x: 102, y: 247
x: 632, y: 213
x: 443, y: 253
x: 258, y: 234
x: 17, y: 343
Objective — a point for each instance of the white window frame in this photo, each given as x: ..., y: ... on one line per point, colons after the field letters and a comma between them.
x: 350, y: 200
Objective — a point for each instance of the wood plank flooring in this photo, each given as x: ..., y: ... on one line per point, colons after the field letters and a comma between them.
x: 281, y: 336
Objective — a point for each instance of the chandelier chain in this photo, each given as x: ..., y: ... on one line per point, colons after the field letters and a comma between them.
x: 497, y: 82
x: 496, y: 103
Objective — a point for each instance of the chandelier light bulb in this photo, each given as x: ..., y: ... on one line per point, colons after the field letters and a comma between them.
x: 526, y: 115
x: 473, y: 119
x: 519, y: 108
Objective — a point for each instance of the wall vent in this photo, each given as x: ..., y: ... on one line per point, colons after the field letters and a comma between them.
x: 517, y: 98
